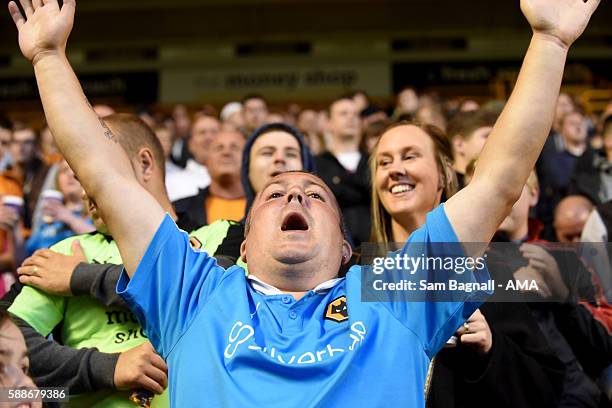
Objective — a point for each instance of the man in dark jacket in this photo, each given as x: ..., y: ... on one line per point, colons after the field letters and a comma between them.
x: 566, y: 306
x: 224, y: 197
x: 592, y: 175
x: 344, y: 168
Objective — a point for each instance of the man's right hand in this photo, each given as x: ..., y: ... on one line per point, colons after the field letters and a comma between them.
x: 45, y: 28
x: 141, y: 367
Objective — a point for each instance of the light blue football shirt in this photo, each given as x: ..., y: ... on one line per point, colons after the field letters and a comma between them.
x: 227, y: 345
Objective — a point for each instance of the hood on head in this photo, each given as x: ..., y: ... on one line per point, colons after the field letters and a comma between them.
x: 307, y: 159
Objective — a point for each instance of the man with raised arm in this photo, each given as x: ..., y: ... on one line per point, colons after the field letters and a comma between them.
x: 291, y: 333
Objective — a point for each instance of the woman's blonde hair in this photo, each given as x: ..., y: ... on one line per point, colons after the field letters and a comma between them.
x: 381, y: 219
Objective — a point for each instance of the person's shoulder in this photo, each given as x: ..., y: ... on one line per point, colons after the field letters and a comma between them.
x: 324, y: 155
x: 39, y: 309
x: 364, y: 159
x: 216, y: 228
x: 230, y: 229
x: 437, y: 228
x: 325, y: 158
x: 438, y: 218
x: 10, y: 182
x: 590, y: 155
x: 217, y: 224
x: 86, y: 240
x: 186, y: 203
x: 236, y: 225
x: 605, y: 211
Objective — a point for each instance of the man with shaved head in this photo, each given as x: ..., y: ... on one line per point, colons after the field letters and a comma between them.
x: 292, y: 332
x: 570, y: 216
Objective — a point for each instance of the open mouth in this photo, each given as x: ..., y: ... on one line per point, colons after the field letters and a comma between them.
x: 294, y: 222
x: 401, y: 188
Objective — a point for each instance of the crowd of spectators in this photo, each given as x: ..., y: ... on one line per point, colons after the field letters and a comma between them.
x: 214, y: 162
x: 296, y: 210
x: 202, y: 151
x: 268, y: 217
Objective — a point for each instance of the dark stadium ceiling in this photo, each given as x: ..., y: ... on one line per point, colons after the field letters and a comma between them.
x: 165, y: 4
x: 177, y: 21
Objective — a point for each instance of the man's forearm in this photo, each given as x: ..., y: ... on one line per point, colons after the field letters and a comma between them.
x: 54, y: 365
x: 76, y: 128
x: 513, y: 146
x: 520, y: 132
x: 99, y: 282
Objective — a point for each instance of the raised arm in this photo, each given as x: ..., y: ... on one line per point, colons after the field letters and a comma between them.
x: 520, y: 132
x: 86, y: 142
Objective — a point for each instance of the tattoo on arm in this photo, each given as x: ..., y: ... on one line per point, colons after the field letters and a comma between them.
x: 107, y: 132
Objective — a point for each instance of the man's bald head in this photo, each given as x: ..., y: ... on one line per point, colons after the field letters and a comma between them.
x: 570, y: 216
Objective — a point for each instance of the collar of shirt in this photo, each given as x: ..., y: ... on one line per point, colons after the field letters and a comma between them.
x: 268, y: 290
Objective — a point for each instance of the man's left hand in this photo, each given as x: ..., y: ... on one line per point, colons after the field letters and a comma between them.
x: 51, y: 272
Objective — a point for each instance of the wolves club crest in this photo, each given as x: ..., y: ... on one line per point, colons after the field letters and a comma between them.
x: 336, y: 310
x: 195, y: 243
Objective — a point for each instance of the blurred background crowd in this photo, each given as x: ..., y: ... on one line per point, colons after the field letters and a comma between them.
x: 206, y: 89
x: 43, y: 202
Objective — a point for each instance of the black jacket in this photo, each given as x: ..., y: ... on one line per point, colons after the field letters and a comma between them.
x: 578, y: 340
x: 521, y: 369
x: 589, y: 174
x: 352, y: 190
x: 191, y: 211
